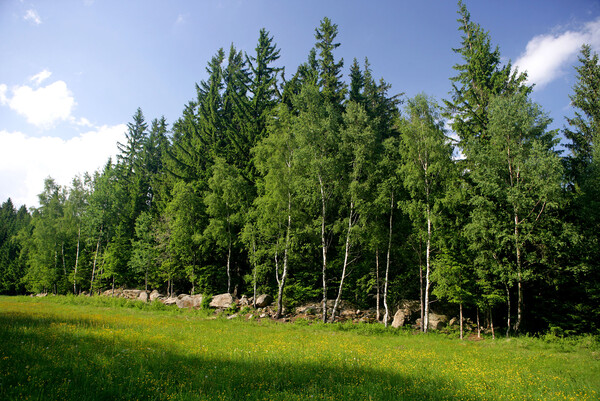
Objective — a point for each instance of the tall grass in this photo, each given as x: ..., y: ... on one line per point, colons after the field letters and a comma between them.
x: 90, y: 349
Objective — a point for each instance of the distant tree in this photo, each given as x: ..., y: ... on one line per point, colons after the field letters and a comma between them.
x: 517, y: 178
x: 226, y: 202
x: 426, y: 163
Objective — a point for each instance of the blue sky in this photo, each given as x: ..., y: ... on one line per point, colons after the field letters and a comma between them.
x: 74, y: 72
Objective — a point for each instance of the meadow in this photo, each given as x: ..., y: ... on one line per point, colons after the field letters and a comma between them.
x: 66, y: 348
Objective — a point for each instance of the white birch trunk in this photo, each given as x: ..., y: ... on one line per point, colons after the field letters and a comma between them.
x: 76, y: 261
x: 387, y: 266
x: 427, y: 271
x: 324, y: 249
x: 346, y: 253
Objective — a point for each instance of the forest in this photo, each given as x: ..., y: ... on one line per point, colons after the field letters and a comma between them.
x: 329, y: 185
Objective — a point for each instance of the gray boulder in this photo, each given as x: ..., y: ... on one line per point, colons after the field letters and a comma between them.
x: 223, y: 301
x: 264, y: 300
x: 143, y: 296
x: 189, y: 301
x: 154, y: 295
x: 406, y: 313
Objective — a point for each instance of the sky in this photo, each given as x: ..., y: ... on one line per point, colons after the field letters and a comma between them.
x: 73, y: 72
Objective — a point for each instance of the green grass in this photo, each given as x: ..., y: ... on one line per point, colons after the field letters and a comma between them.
x: 99, y: 349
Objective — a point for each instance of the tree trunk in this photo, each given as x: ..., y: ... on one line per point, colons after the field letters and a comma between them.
x: 228, y: 268
x: 76, y: 261
x: 492, y: 325
x: 421, y: 297
x: 254, y: 271
x: 62, y: 253
x: 461, y: 320
x: 508, y: 310
x: 94, y: 264
x: 377, y: 283
x: 285, y: 259
x: 387, y: 266
x: 324, y: 249
x: 346, y: 253
x: 519, y: 278
x: 478, y: 325
x: 427, y: 271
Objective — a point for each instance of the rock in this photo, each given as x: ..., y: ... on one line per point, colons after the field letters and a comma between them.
x: 453, y: 322
x: 264, y: 300
x: 155, y: 295
x: 189, y: 301
x: 399, y: 319
x: 170, y: 301
x: 406, y: 312
x: 143, y: 296
x: 263, y: 315
x: 131, y: 294
x: 244, y: 301
x: 437, y: 322
x: 221, y: 301
x: 232, y: 316
x: 43, y: 294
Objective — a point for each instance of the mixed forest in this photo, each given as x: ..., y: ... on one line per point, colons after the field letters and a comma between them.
x: 326, y: 184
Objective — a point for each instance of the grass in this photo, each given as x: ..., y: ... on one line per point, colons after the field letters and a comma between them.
x: 61, y: 348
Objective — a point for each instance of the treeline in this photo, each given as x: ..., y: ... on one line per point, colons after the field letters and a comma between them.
x: 315, y: 188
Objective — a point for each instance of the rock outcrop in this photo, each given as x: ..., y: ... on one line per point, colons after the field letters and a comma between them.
x: 264, y: 300
x: 222, y: 301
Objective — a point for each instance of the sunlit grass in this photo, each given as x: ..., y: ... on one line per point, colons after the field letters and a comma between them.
x: 61, y: 349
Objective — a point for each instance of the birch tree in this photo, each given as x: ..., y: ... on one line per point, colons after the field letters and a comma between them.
x: 426, y: 161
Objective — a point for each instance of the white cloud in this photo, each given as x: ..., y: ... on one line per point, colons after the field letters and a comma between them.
x: 26, y: 161
x: 40, y: 77
x: 42, y: 107
x: 3, y: 98
x: 32, y: 16
x: 548, y: 57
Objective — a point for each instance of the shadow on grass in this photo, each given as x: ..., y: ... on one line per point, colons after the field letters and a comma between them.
x: 46, y: 358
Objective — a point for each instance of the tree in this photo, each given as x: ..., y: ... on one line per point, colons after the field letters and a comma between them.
x: 226, y: 201
x: 427, y: 158
x: 358, y: 151
x: 517, y: 177
x: 585, y: 132
x: 187, y: 220
x: 330, y: 72
x: 277, y: 205
x: 480, y: 77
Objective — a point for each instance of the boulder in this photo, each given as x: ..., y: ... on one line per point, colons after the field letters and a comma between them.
x: 223, y: 301
x: 189, y: 301
x: 131, y: 294
x: 244, y: 301
x: 143, y: 296
x: 155, y: 295
x: 264, y: 300
x: 437, y: 322
x: 406, y: 313
x: 170, y: 301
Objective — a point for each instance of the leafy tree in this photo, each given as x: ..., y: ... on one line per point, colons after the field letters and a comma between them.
x: 278, y: 206
x: 426, y: 163
x: 517, y: 179
x: 226, y: 202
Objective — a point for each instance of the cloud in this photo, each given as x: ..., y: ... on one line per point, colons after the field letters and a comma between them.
x: 182, y: 19
x: 40, y: 77
x: 3, y: 98
x: 548, y: 57
x: 32, y: 16
x: 42, y: 107
x: 26, y: 161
